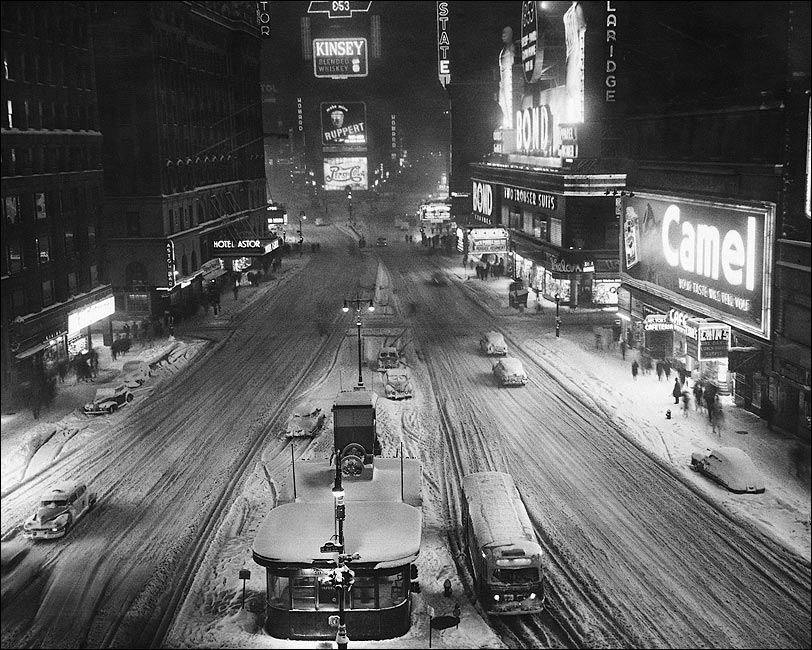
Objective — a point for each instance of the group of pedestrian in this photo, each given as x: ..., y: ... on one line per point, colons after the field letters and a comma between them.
x: 663, y: 368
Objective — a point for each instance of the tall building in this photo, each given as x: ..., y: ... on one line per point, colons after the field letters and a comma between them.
x: 53, y: 286
x: 180, y: 107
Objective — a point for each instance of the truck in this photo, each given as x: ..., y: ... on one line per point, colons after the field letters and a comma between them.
x: 354, y: 427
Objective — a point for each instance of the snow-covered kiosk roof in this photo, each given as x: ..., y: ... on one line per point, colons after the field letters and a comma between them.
x: 383, y: 533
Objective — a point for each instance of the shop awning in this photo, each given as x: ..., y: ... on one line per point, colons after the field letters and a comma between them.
x: 30, y: 351
x: 213, y: 275
x: 744, y: 360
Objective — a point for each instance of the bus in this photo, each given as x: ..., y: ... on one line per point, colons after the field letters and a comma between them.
x: 505, y: 555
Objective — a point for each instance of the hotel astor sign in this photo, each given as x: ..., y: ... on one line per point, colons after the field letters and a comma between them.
x: 244, y: 247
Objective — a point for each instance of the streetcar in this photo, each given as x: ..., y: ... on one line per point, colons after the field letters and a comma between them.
x: 506, y: 557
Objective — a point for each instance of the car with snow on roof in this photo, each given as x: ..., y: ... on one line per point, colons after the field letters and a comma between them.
x: 493, y: 343
x: 510, y: 372
x: 60, y: 507
x: 108, y: 400
x: 306, y: 420
x: 731, y: 468
x: 398, y: 383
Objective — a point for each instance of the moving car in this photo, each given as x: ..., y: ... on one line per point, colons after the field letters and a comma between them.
x: 493, y: 343
x: 306, y: 420
x: 731, y: 468
x: 108, y: 400
x: 398, y: 383
x: 382, y: 241
x: 388, y: 357
x: 135, y: 373
x: 61, y: 507
x: 510, y: 372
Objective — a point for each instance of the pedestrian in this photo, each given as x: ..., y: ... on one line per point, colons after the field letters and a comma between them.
x: 646, y: 364
x: 768, y: 413
x: 698, y: 396
x: 236, y: 288
x: 126, y: 330
x: 659, y: 370
x: 113, y: 350
x: 62, y: 370
x: 717, y: 417
x: 94, y: 362
x: 623, y: 348
x: 686, y: 399
x: 135, y: 330
x: 667, y: 369
x: 635, y: 367
x: 677, y: 391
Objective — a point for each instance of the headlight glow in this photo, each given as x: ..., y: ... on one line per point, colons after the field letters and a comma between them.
x: 496, y: 597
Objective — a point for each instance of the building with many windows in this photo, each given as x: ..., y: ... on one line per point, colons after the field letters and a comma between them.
x: 52, y: 270
x: 180, y: 108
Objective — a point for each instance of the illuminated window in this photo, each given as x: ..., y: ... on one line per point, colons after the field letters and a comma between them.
x: 11, y: 209
x: 43, y: 249
x: 42, y: 212
x: 14, y: 256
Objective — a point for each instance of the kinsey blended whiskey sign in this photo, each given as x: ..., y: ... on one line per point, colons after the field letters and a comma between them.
x: 343, y: 124
x: 339, y: 58
x: 712, y: 257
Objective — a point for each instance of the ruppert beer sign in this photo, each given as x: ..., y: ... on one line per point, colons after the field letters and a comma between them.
x: 713, y: 258
x: 339, y: 58
x: 343, y: 123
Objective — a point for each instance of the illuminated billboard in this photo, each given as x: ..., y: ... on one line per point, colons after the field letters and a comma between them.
x: 710, y: 257
x: 340, y: 58
x: 343, y: 124
x: 342, y: 171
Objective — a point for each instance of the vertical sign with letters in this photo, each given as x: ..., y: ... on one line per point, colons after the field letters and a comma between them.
x: 443, y: 62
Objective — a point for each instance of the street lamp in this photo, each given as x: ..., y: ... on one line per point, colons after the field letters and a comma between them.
x: 302, y: 217
x: 343, y: 576
x: 357, y: 302
x: 557, y: 319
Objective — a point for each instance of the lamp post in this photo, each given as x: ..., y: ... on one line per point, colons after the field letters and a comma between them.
x: 557, y: 319
x: 302, y: 217
x: 338, y: 492
x: 357, y: 302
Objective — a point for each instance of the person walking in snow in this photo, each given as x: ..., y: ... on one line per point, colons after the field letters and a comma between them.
x: 635, y: 367
x: 677, y: 391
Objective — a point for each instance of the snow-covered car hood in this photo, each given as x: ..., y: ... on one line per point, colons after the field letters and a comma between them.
x: 46, y: 514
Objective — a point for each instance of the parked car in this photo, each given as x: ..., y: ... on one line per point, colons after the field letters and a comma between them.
x: 108, y: 400
x: 398, y: 383
x: 306, y: 420
x: 388, y: 357
x: 60, y: 507
x: 493, y: 343
x: 135, y: 373
x: 731, y: 468
x: 382, y: 241
x: 510, y: 372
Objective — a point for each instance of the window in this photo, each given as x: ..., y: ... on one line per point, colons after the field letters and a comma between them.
x: 6, y: 74
x: 94, y: 275
x: 18, y: 307
x: 70, y: 243
x: 14, y: 256
x: 133, y: 224
x: 278, y: 591
x: 555, y: 231
x: 73, y: 286
x: 9, y: 114
x: 47, y: 292
x: 91, y: 236
x: 39, y: 198
x: 11, y: 209
x: 43, y: 249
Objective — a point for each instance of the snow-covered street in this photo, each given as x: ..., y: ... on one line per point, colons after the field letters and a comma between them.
x: 642, y: 551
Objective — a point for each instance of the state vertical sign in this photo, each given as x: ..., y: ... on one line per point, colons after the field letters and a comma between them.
x: 443, y: 45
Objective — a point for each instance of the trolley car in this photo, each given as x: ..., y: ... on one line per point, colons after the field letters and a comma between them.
x: 505, y: 555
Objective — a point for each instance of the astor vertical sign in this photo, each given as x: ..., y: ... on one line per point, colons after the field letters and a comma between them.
x: 443, y: 62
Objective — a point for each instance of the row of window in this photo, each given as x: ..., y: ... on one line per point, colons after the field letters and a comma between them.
x: 46, y: 69
x: 25, y: 161
x: 55, y: 21
x: 22, y: 301
x: 28, y: 114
